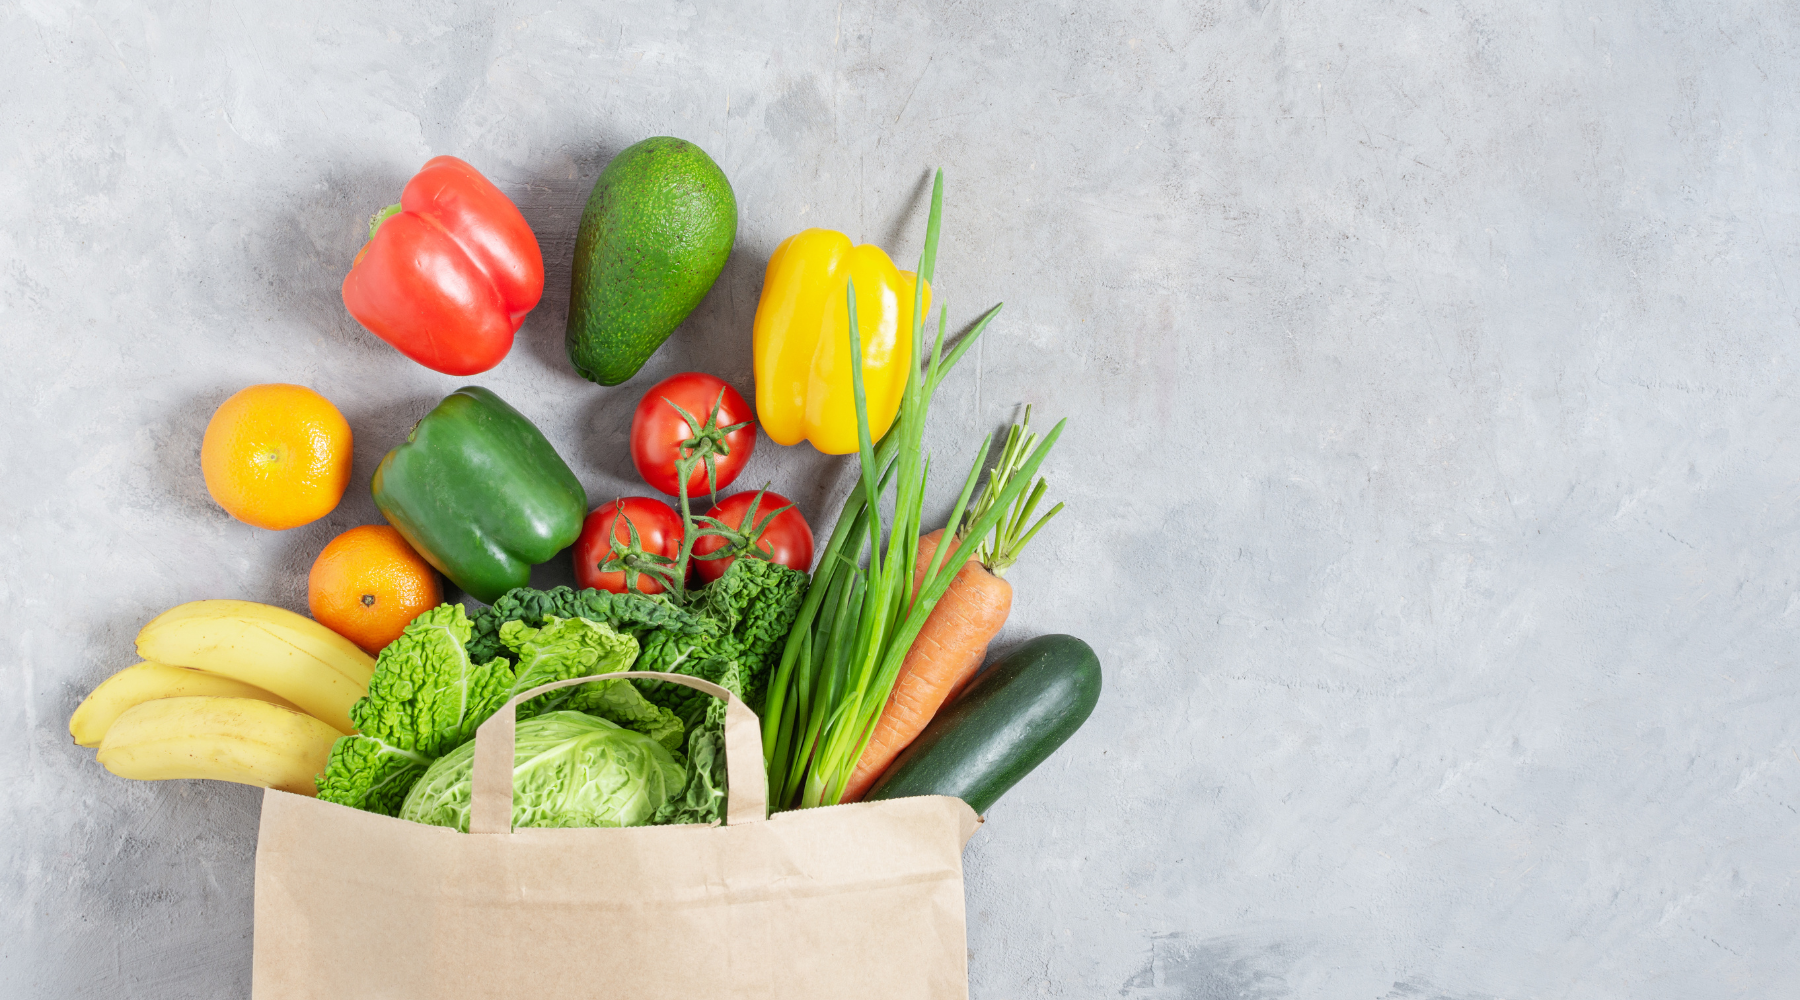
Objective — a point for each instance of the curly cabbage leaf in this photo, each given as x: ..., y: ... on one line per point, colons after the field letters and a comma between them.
x: 576, y: 647
x: 427, y: 694
x: 633, y: 614
x: 425, y: 698
x: 756, y: 600
x: 569, y: 769
x: 703, y: 800
x: 370, y: 773
x: 620, y: 702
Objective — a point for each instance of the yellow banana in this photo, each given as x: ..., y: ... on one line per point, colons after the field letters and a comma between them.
x: 147, y: 682
x: 244, y: 740
x: 268, y: 647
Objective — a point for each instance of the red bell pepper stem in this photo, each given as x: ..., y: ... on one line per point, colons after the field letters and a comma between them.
x: 382, y: 216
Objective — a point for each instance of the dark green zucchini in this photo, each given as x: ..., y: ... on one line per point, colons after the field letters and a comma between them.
x: 1015, y: 714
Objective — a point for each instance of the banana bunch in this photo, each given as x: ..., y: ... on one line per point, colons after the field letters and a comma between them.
x: 230, y: 690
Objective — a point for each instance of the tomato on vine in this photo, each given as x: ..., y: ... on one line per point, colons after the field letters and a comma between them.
x: 764, y: 523
x: 692, y: 418
x: 630, y: 544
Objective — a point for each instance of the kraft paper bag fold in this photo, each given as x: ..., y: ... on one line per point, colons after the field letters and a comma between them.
x: 857, y: 901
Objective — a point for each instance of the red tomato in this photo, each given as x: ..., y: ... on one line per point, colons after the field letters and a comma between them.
x: 659, y: 434
x: 659, y: 534
x: 786, y: 539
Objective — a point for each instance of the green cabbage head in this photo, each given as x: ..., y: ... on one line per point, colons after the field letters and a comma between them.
x: 569, y: 769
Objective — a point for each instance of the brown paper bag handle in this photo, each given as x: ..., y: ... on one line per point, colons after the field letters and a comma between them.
x: 491, y: 794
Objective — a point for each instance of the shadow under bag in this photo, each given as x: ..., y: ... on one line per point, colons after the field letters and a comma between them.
x: 862, y: 900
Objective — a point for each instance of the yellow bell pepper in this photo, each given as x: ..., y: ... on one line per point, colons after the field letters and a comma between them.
x: 802, y: 340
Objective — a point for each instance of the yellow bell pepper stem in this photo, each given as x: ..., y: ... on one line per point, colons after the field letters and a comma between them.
x: 802, y: 337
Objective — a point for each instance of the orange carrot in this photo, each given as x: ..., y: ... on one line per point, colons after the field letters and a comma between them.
x: 947, y: 653
x: 951, y: 644
x: 967, y: 578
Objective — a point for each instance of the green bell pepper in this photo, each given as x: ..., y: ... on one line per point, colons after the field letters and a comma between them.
x: 480, y: 494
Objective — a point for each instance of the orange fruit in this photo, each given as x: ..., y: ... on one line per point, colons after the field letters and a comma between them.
x: 368, y: 584
x: 276, y: 456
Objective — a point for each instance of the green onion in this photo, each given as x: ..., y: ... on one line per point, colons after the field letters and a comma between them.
x: 861, y: 613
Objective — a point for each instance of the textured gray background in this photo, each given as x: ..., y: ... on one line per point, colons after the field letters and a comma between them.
x: 1432, y: 468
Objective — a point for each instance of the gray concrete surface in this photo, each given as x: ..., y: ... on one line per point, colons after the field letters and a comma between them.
x: 1431, y: 478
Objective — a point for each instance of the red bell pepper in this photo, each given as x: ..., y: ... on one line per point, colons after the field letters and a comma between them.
x: 449, y: 273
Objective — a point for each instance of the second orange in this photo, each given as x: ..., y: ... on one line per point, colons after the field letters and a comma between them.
x: 368, y: 584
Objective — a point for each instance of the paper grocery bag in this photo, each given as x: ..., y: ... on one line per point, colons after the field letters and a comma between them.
x: 859, y: 901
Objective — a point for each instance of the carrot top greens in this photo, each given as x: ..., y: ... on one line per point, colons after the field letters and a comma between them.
x: 1001, y: 549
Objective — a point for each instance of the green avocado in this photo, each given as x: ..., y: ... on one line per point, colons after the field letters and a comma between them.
x: 654, y: 236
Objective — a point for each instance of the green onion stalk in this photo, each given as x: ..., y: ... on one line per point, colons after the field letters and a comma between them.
x: 861, y: 613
